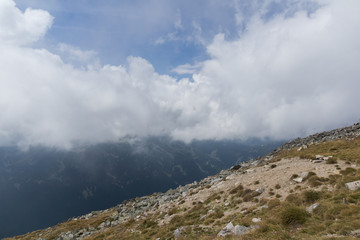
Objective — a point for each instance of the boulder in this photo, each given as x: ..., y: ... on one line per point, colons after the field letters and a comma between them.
x: 355, y: 233
x: 240, y: 230
x: 353, y: 185
x: 303, y: 176
x: 227, y: 230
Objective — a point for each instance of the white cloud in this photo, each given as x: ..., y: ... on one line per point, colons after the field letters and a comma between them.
x: 22, y: 28
x: 77, y: 56
x: 282, y: 78
x: 187, y: 68
x: 285, y: 77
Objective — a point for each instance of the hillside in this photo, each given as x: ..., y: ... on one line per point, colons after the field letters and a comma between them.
x: 299, y: 191
x: 60, y: 184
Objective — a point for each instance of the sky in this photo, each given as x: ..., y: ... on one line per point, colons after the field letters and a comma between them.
x: 84, y: 72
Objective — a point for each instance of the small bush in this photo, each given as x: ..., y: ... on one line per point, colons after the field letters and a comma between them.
x: 273, y: 203
x: 256, y: 182
x: 292, y: 215
x: 273, y: 166
x: 331, y: 161
x: 237, y: 189
x: 295, y: 199
x: 311, y: 196
x: 277, y: 186
x: 348, y: 171
x: 314, y: 181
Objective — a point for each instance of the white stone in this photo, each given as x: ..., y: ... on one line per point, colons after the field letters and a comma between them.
x: 256, y: 220
x: 312, y: 207
x: 353, y: 185
x: 298, y: 179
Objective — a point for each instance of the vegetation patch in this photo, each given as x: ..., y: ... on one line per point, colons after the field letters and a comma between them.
x: 293, y: 215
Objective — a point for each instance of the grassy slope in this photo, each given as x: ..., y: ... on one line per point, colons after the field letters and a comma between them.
x: 287, y: 219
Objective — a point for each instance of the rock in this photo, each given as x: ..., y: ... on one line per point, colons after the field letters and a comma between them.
x: 353, y: 185
x: 227, y: 230
x: 260, y: 190
x: 312, y: 207
x: 316, y: 161
x: 240, y: 230
x: 319, y: 157
x: 67, y: 236
x: 177, y: 232
x: 355, y: 233
x: 298, y: 179
x: 256, y: 220
x: 304, y: 175
x: 252, y: 227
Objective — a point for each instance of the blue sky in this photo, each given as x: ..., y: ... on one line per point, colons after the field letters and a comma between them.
x: 166, y: 33
x: 95, y: 71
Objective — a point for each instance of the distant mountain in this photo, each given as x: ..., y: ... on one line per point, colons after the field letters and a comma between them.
x: 42, y: 186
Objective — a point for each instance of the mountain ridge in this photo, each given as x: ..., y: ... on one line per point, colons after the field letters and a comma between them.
x: 297, y: 183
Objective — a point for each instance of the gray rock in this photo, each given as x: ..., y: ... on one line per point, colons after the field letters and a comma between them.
x: 300, y: 179
x: 177, y: 232
x: 312, y: 207
x: 355, y: 233
x: 260, y: 190
x: 227, y: 230
x: 240, y: 230
x: 353, y: 185
x: 252, y: 227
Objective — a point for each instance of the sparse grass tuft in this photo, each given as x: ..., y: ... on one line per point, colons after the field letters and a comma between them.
x: 292, y: 215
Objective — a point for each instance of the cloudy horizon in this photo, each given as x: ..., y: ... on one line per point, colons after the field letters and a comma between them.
x: 241, y: 69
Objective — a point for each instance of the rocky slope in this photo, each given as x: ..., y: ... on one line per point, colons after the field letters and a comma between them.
x: 306, y: 189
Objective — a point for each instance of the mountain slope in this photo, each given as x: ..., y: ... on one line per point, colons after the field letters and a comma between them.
x: 299, y: 191
x: 43, y: 186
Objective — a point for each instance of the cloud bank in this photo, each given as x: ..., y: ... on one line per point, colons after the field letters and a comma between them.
x: 282, y: 78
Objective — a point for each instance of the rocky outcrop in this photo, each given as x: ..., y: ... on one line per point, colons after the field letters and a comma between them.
x: 340, y: 133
